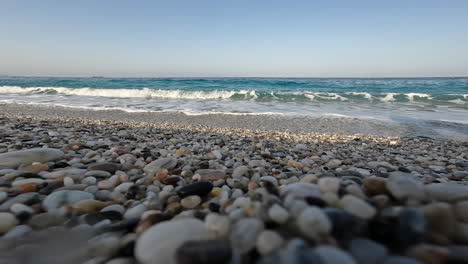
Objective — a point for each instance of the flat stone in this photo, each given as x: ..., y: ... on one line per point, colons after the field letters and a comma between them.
x: 58, y: 199
x: 441, y: 219
x: 200, y: 188
x: 25, y: 157
x: 98, y: 174
x: 204, y: 252
x: 160, y: 164
x: 405, y: 188
x: 244, y: 234
x: 446, y: 192
x: 210, y: 174
x: 160, y: 243
x: 357, y: 207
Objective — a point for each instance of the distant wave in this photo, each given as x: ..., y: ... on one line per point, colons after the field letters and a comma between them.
x: 253, y: 95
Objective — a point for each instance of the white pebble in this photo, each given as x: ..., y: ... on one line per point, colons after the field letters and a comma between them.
x: 278, y: 214
x: 269, y: 241
x: 217, y: 224
x: 313, y: 223
x: 7, y: 222
x: 67, y: 181
x: 191, y: 201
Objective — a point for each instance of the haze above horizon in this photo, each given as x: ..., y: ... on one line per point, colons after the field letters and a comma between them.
x: 209, y: 38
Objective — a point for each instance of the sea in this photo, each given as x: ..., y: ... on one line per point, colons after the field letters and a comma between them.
x: 402, y: 100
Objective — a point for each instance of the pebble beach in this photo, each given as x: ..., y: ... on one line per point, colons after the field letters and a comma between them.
x: 91, y: 187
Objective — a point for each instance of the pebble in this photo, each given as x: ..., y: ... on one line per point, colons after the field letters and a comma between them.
x: 98, y: 174
x: 18, y: 208
x: 135, y: 212
x: 24, y: 198
x: 313, y: 223
x: 329, y: 184
x: 114, y: 207
x: 3, y: 196
x: 201, y: 188
x: 357, y: 207
x: 191, y: 201
x: 375, y: 185
x: 403, y: 187
x: 244, y: 234
x: 160, y: 164
x: 58, y: 199
x: 269, y: 241
x: 240, y: 171
x: 24, y: 157
x: 7, y: 222
x: 210, y: 174
x: 217, y: 224
x: 44, y: 220
x: 445, y: 192
x: 150, y: 250
x: 108, y: 167
x: 278, y: 214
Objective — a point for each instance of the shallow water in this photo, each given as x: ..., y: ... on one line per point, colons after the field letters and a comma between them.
x: 402, y: 100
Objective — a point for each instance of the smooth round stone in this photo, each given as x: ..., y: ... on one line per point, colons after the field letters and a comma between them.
x: 24, y: 198
x: 108, y: 167
x: 88, y: 206
x: 204, y: 252
x: 217, y: 224
x: 345, y: 226
x: 67, y: 181
x: 135, y: 212
x: 3, y: 196
x: 240, y: 171
x: 404, y: 187
x: 446, y: 192
x: 357, y: 207
x: 300, y: 190
x: 7, y: 222
x: 89, y: 180
x: 329, y: 184
x: 191, y: 201
x: 400, y: 260
x: 160, y: 164
x: 17, y: 231
x: 200, y: 188
x: 367, y: 251
x: 27, y: 181
x: 375, y: 185
x: 333, y: 255
x: 278, y: 214
x: 58, y: 199
x: 18, y: 208
x: 109, y: 183
x: 461, y: 211
x: 269, y: 241
x: 98, y: 174
x: 313, y: 223
x: 244, y: 234
x: 123, y: 187
x: 160, y: 242
x: 114, y: 207
x: 26, y: 157
x: 211, y: 174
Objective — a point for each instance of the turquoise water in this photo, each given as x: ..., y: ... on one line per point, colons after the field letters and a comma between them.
x: 385, y: 98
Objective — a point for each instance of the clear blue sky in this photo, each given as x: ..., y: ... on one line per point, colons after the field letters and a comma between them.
x: 348, y: 38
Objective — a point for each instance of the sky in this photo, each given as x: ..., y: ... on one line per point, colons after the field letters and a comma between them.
x: 242, y: 38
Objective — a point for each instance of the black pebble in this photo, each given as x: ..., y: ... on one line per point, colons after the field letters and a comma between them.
x: 200, y: 188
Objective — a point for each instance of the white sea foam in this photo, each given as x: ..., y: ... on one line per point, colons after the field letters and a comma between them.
x: 366, y: 95
x: 411, y: 96
x: 390, y: 97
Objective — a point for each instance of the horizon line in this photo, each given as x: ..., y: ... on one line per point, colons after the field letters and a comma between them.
x: 229, y: 77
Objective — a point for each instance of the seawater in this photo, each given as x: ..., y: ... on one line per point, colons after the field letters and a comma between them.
x: 396, y: 99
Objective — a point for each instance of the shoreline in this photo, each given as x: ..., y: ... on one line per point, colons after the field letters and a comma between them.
x: 272, y: 123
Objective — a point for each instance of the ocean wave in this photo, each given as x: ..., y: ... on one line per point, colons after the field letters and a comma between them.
x: 252, y: 95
